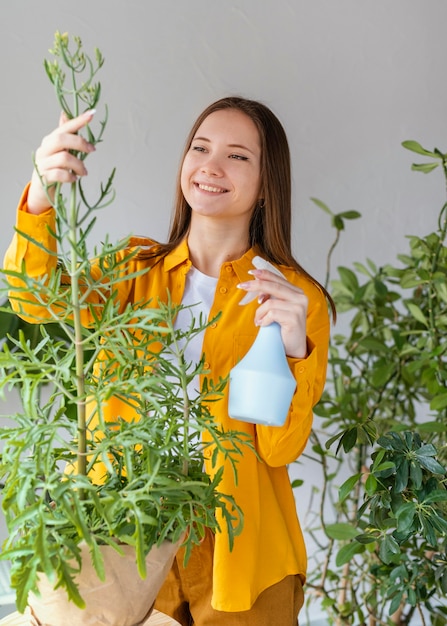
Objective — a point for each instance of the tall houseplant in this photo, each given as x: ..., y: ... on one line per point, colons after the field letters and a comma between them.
x: 379, y: 516
x: 134, y: 482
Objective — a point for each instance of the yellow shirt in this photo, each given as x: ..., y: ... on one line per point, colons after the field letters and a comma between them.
x: 271, y: 545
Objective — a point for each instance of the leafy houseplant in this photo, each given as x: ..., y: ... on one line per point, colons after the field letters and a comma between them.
x: 135, y: 482
x: 381, y: 529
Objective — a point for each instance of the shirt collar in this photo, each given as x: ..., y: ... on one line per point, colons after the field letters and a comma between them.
x: 180, y: 256
x: 242, y: 266
x: 177, y: 257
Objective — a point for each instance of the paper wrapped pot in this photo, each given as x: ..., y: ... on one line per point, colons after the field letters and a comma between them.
x: 122, y: 599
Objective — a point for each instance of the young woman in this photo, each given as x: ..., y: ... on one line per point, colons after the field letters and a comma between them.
x: 233, y: 203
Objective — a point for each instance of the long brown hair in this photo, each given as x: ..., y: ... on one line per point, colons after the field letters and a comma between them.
x: 270, y: 225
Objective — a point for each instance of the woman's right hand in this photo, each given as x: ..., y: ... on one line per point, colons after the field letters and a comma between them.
x: 54, y: 161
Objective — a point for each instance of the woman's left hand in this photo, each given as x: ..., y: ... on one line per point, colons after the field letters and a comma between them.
x: 280, y: 302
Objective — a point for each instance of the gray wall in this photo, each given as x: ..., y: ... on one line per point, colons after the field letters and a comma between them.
x: 350, y: 79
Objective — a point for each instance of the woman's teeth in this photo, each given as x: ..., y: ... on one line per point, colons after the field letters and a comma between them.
x: 211, y: 189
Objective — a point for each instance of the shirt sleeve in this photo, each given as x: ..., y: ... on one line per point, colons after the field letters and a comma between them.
x: 282, y: 445
x: 33, y: 253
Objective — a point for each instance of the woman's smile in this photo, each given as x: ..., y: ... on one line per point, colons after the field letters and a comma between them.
x: 220, y: 175
x: 210, y: 189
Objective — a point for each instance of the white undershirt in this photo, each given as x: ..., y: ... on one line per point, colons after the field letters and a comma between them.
x: 199, y: 291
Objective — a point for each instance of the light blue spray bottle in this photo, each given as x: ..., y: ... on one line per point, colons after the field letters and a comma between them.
x: 261, y: 385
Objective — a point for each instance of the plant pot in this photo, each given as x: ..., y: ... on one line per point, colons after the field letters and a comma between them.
x: 122, y: 599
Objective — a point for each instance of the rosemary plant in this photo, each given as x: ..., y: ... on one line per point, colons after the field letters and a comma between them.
x: 68, y: 474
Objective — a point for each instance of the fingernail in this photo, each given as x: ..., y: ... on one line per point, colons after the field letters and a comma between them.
x: 254, y: 272
x: 90, y: 112
x: 242, y: 285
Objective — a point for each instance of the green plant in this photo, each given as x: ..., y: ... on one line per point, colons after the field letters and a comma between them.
x: 380, y: 439
x: 151, y: 485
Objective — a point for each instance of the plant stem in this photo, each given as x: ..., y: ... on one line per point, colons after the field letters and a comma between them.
x: 329, y: 257
x: 185, y: 465
x: 78, y: 338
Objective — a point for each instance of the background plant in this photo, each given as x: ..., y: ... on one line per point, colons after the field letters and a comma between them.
x: 379, y: 517
x: 153, y: 486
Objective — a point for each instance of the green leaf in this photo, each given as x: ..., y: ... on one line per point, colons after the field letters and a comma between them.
x: 71, y: 587
x: 322, y: 205
x: 366, y: 539
x: 432, y: 427
x: 438, y: 495
x: 382, y: 374
x: 386, y: 468
x: 347, y: 552
x: 388, y: 548
x: 405, y: 516
x: 298, y: 482
x: 392, y: 442
x: 347, y: 487
x: 350, y: 215
x: 439, y: 402
x: 395, y: 603
x: 417, y: 313
x: 432, y: 465
x: 425, y: 168
x: 373, y: 345
x: 338, y: 223
x: 349, y: 439
x: 381, y: 288
x: 348, y: 278
x: 341, y: 531
x: 371, y: 484
x: 415, y: 475
x: 402, y: 475
x: 415, y: 146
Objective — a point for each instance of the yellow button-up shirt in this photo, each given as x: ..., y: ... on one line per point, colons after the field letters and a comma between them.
x: 271, y: 545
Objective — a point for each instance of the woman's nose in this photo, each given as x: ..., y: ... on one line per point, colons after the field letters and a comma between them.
x: 212, y: 167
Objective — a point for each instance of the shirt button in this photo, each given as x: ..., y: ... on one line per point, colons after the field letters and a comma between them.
x: 228, y: 268
x: 213, y: 325
x: 206, y: 365
x: 301, y: 370
x: 223, y: 290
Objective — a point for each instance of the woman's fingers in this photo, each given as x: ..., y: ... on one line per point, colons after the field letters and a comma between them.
x: 55, y: 161
x: 76, y: 123
x: 267, y: 285
x: 66, y: 137
x: 280, y: 302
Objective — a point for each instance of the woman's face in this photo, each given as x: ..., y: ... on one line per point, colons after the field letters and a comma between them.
x: 221, y: 172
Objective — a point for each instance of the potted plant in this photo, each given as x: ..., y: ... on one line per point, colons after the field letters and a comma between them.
x: 79, y: 491
x: 378, y: 516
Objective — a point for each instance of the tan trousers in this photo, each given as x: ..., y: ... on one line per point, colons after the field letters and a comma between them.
x: 186, y: 595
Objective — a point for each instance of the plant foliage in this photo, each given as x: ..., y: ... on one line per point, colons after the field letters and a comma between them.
x: 149, y: 483
x: 381, y: 529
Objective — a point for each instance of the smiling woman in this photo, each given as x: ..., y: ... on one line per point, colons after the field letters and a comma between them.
x: 221, y: 175
x: 233, y: 203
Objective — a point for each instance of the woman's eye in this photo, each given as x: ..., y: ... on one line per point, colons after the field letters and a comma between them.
x: 198, y: 148
x: 238, y: 157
